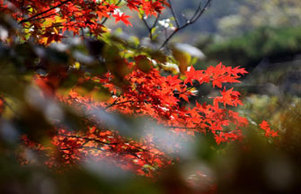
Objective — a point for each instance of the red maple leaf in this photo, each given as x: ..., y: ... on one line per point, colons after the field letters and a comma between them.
x: 268, y: 131
x: 122, y: 17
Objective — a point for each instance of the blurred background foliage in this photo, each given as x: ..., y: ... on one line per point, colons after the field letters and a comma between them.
x: 262, y: 35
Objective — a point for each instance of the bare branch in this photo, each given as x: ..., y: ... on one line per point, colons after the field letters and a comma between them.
x: 150, y: 28
x: 156, y: 21
x: 174, y: 14
x: 198, y: 13
x: 145, y: 22
x: 168, y: 38
x: 201, y: 11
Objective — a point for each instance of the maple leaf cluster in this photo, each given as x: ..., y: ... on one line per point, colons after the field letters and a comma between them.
x: 160, y: 98
x: 135, y: 85
x: 47, y: 20
x: 72, y: 149
x: 268, y: 131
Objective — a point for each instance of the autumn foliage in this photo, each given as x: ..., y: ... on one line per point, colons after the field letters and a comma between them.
x: 164, y: 100
x: 46, y: 21
x: 134, y: 82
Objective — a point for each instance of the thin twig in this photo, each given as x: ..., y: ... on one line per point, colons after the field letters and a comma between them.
x: 156, y: 21
x: 40, y: 18
x: 43, y: 12
x: 201, y: 12
x: 150, y: 28
x: 198, y: 13
x: 145, y: 23
x: 115, y: 103
x: 174, y: 14
x: 154, y: 25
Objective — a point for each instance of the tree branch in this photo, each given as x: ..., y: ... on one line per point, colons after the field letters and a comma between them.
x: 150, y: 28
x: 43, y: 17
x: 201, y: 10
x: 43, y: 12
x: 145, y: 23
x: 115, y: 103
x: 174, y: 14
x: 87, y: 139
x: 198, y: 13
x: 180, y: 127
